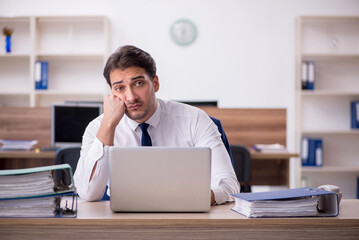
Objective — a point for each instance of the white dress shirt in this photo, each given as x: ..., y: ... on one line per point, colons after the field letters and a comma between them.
x: 172, y: 124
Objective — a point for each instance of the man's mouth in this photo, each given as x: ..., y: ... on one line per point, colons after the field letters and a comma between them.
x: 134, y: 106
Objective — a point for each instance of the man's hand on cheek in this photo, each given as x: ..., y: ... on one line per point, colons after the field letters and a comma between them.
x: 114, y: 109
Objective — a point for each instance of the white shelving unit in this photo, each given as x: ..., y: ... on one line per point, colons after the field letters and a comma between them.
x: 333, y: 44
x: 76, y: 49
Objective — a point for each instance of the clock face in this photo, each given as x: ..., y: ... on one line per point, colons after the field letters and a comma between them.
x: 183, y: 32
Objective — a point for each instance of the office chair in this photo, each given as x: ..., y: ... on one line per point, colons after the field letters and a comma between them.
x: 67, y: 155
x: 223, y: 136
x: 242, y: 165
x: 71, y: 156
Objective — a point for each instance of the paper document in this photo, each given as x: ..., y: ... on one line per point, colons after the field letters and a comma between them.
x: 17, y: 145
x: 269, y: 147
x: 298, y: 202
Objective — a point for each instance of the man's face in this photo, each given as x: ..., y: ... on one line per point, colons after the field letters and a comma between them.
x: 135, y: 88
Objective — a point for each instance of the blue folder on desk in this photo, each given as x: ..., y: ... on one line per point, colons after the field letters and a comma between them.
x: 298, y: 202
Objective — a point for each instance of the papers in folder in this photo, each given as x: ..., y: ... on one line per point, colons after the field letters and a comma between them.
x: 299, y: 202
x: 38, y: 192
x: 26, y: 185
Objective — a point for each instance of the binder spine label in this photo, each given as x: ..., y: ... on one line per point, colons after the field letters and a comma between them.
x: 304, y: 75
x: 305, y: 152
x: 41, y: 73
x: 311, y: 75
x: 312, y: 152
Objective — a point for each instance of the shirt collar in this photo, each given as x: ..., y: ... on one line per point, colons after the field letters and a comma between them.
x: 153, y: 120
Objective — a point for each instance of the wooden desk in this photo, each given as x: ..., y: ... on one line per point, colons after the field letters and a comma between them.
x: 96, y: 221
x: 271, y: 168
x: 27, y: 154
x: 25, y: 159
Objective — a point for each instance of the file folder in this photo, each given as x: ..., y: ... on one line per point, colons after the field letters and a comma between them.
x: 38, y: 192
x: 298, y: 202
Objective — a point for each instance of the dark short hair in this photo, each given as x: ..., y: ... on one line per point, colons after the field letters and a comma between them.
x: 129, y: 56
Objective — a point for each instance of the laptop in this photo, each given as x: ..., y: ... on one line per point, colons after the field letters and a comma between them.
x: 160, y: 179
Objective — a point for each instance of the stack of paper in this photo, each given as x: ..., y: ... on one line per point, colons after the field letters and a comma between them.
x: 299, y: 202
x: 43, y: 207
x: 269, y: 147
x: 278, y: 208
x: 37, y: 192
x: 17, y: 145
x: 25, y: 185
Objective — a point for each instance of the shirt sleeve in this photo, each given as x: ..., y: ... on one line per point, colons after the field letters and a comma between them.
x: 92, y: 152
x: 223, y: 179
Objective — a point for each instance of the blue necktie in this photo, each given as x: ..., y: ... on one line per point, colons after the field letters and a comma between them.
x: 146, y: 139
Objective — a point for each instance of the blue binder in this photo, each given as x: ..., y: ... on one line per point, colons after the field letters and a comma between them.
x: 41, y: 75
x: 312, y: 152
x: 354, y: 112
x: 327, y: 204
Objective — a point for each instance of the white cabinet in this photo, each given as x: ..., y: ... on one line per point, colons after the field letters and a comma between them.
x: 76, y: 49
x: 333, y: 44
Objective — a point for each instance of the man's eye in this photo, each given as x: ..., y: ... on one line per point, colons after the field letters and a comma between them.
x: 119, y: 88
x: 139, y: 83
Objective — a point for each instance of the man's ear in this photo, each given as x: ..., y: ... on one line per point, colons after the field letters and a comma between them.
x: 156, y: 83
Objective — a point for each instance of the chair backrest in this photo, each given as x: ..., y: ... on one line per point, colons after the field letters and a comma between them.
x: 68, y: 155
x: 240, y: 157
x: 71, y: 156
x: 223, y: 136
x: 242, y: 165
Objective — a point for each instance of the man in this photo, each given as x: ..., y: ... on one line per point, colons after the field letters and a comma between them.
x: 131, y: 75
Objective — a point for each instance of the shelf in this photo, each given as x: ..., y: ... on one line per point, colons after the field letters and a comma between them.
x: 330, y: 56
x: 328, y: 93
x: 66, y: 92
x: 76, y: 48
x: 331, y: 169
x: 329, y: 19
x: 75, y: 56
x: 14, y: 93
x: 325, y: 112
x: 14, y: 56
x: 69, y: 19
x: 331, y: 132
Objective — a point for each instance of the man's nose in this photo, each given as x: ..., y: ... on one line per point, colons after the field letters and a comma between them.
x: 130, y: 95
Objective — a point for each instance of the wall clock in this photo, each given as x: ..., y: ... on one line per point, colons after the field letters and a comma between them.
x: 183, y: 32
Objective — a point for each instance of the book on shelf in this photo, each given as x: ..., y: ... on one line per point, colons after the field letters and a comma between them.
x: 41, y: 73
x: 298, y: 202
x: 17, y: 144
x: 308, y: 75
x: 269, y: 148
x: 354, y: 112
x: 38, y: 192
x: 312, y: 152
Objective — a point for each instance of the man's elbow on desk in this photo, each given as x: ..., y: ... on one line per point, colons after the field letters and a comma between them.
x: 90, y: 195
x: 90, y: 190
